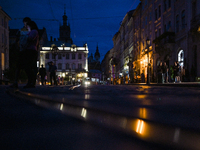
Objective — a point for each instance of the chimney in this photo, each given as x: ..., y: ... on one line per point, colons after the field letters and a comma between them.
x: 50, y: 38
x: 54, y: 39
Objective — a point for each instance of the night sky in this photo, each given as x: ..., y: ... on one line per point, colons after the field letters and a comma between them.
x: 91, y: 22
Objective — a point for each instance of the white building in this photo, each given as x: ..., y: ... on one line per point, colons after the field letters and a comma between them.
x: 71, y: 61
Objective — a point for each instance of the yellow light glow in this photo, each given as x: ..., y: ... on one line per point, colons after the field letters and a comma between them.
x: 143, y: 113
x: 140, y: 126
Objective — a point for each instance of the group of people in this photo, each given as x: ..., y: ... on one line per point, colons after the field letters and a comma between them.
x: 163, y: 73
x: 28, y: 42
x: 174, y: 74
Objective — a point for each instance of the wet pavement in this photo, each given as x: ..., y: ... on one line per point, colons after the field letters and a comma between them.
x: 167, y: 115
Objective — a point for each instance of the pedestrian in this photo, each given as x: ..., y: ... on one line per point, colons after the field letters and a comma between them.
x: 159, y: 73
x: 31, y: 53
x: 45, y: 79
x: 21, y: 41
x: 165, y: 73
x: 176, y: 71
x: 52, y: 70
x: 183, y: 74
x: 42, y: 73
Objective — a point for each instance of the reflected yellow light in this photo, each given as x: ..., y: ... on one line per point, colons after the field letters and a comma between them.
x: 61, y: 106
x: 140, y: 126
x: 87, y: 96
x: 141, y: 96
x: 84, y: 113
x: 143, y: 113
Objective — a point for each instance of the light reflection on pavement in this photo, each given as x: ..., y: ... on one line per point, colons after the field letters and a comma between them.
x: 156, y: 114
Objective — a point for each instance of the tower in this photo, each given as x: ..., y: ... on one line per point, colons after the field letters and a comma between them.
x: 97, y: 54
x: 65, y: 30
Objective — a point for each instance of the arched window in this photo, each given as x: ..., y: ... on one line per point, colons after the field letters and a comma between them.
x: 181, y: 58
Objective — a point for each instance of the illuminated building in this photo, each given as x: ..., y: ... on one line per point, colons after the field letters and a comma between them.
x: 173, y: 28
x: 4, y: 42
x: 71, y: 60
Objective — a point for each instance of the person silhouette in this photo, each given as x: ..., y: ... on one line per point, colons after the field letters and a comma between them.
x: 42, y: 73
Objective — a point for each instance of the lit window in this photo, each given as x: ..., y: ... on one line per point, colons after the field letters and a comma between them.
x: 181, y: 58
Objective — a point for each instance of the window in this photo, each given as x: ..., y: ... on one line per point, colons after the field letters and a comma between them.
x: 2, y: 38
x: 79, y: 66
x: 79, y: 56
x: 177, y: 23
x: 67, y: 56
x: 183, y: 19
x: 159, y: 31
x: 73, y: 56
x: 59, y: 66
x: 53, y: 56
x: 159, y: 10
x: 169, y: 3
x: 156, y: 14
x: 47, y: 56
x: 169, y: 25
x: 165, y: 5
x: 150, y: 17
x: 165, y: 28
x: 67, y: 66
x: 73, y: 66
x: 194, y: 9
x: 59, y: 56
x: 156, y: 34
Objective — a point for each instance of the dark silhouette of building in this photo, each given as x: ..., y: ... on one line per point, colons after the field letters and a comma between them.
x: 65, y: 31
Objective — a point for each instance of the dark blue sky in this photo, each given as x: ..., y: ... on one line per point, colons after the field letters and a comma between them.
x: 94, y: 22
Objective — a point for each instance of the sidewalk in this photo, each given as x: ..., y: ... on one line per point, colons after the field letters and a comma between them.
x: 174, y: 126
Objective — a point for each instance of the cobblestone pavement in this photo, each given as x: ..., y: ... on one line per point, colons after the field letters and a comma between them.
x: 183, y: 102
x: 170, y: 113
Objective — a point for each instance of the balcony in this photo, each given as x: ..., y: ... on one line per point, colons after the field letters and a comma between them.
x: 167, y: 37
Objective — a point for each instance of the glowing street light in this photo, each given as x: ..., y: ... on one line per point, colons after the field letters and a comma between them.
x: 148, y: 71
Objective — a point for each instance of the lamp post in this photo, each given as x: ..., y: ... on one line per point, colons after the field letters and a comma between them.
x: 54, y: 51
x: 148, y: 71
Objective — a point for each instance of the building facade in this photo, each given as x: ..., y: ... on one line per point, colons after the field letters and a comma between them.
x: 4, y: 42
x: 173, y: 28
x: 71, y: 61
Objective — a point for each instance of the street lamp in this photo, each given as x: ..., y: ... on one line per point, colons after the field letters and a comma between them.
x: 148, y: 71
x: 54, y: 51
